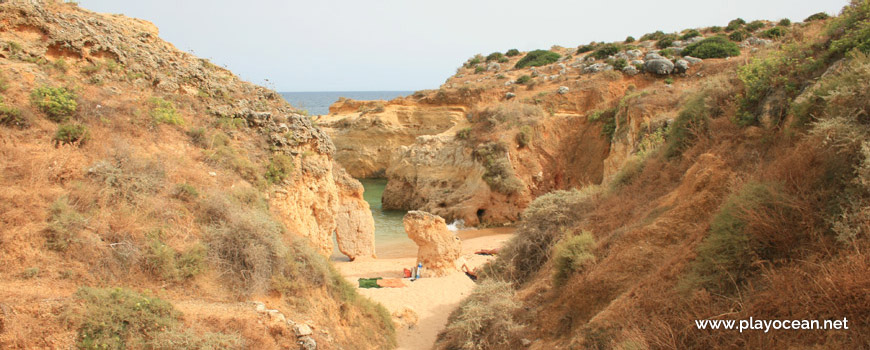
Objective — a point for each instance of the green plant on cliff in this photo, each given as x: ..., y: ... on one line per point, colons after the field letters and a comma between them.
x: 512, y: 53
x: 713, y: 47
x: 691, y: 121
x: 57, y: 103
x: 572, y: 255
x: 163, y: 112
x: 537, y: 58
x: 279, y: 168
x: 499, y: 174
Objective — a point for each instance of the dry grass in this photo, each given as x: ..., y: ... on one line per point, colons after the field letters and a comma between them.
x: 484, y: 320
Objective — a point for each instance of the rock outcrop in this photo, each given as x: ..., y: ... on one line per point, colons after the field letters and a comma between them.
x: 438, y: 247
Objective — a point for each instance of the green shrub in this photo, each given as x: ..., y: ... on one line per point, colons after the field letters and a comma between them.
x: 572, y: 255
x: 544, y: 222
x: 479, y: 69
x: 584, y: 49
x: 619, y: 64
x: 11, y: 117
x: 785, y: 22
x: 605, y: 51
x: 64, y: 225
x: 163, y: 261
x: 524, y: 136
x: 629, y: 39
x: 775, y: 32
x: 484, y: 320
x: 715, y: 29
x: 817, y: 17
x: 495, y: 56
x: 851, y: 29
x: 499, y: 174
x: 657, y: 35
x: 525, y: 79
x: 477, y: 59
x: 512, y: 53
x: 735, y: 24
x: 119, y: 318
x: 666, y: 41
x: 692, y: 119
x: 759, y: 77
x: 57, y: 103
x: 70, y: 133
x: 668, y: 52
x: 738, y: 35
x: 279, y: 168
x: 537, y: 58
x: 754, y: 25
x: 690, y: 34
x: 713, y: 47
x: 185, y: 192
x: 727, y: 256
x: 163, y: 112
x: 464, y: 134
x: 669, y: 81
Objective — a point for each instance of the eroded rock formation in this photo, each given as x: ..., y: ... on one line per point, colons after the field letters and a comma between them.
x: 438, y: 247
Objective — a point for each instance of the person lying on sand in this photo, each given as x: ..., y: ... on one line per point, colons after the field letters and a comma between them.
x: 493, y: 251
x: 463, y: 266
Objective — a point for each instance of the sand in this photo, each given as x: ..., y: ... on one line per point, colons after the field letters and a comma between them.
x: 433, y: 299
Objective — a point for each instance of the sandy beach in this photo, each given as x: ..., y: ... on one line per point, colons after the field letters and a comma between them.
x: 432, y: 299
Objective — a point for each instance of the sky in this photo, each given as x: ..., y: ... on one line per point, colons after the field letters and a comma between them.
x: 353, y: 45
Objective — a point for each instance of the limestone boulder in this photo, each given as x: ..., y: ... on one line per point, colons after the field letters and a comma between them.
x: 438, y: 246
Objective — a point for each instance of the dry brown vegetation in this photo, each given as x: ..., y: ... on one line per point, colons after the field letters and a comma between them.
x: 757, y: 207
x: 168, y: 195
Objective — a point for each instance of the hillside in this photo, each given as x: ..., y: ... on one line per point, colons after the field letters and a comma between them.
x: 736, y: 190
x: 151, y: 199
x: 717, y: 173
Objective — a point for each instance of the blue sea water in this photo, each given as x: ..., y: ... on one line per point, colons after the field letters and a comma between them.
x: 317, y: 102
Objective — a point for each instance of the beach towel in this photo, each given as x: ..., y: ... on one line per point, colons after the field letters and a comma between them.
x: 369, y: 282
x: 391, y: 283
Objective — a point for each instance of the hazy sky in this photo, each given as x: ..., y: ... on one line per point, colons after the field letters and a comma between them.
x: 332, y: 45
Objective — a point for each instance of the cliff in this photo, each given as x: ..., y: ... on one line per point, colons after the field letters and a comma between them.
x: 129, y: 165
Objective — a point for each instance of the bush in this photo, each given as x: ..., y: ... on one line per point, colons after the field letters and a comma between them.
x: 584, y: 49
x: 605, y: 51
x: 245, y: 243
x: 70, y: 133
x: 499, y: 174
x: 775, y: 32
x: 484, y: 320
x: 279, y: 168
x: 785, y: 22
x: 524, y: 136
x: 512, y: 53
x: 163, y: 112
x: 735, y: 24
x: 738, y: 35
x: 479, y: 69
x: 537, y: 58
x: 715, y: 29
x: 690, y: 34
x: 11, y: 117
x: 619, y: 64
x: 851, y: 29
x: 525, y: 79
x: 817, y: 17
x: 666, y: 41
x: 754, y: 25
x: 691, y: 120
x: 543, y: 223
x: 127, y: 178
x: 714, y: 47
x: 464, y: 134
x: 739, y: 236
x: 57, y: 103
x: 162, y: 260
x: 185, y: 192
x: 669, y: 81
x: 658, y: 35
x: 117, y: 318
x: 572, y: 255
x: 495, y: 56
x: 629, y: 39
x: 64, y: 225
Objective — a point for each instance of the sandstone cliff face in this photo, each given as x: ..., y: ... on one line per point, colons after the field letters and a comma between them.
x: 438, y: 247
x: 368, y: 134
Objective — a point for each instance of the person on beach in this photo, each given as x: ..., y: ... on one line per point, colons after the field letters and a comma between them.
x: 462, y: 264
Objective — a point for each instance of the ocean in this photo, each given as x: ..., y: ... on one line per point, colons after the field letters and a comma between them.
x: 390, y: 237
x: 317, y: 102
